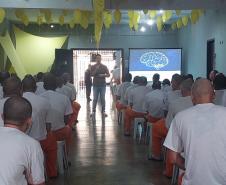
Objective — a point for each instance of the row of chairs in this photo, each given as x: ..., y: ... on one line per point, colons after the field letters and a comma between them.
x: 140, y: 132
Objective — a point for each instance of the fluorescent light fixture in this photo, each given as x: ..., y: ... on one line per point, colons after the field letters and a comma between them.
x: 142, y: 29
x: 51, y: 26
x: 161, y: 11
x: 150, y: 22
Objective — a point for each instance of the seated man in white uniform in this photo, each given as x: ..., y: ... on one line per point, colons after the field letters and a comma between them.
x: 60, y: 109
x: 121, y: 102
x: 11, y: 87
x: 199, y: 132
x: 154, y: 103
x: 40, y: 89
x: 130, y: 88
x: 160, y: 128
x: 136, y: 104
x: 219, y: 85
x: 175, y: 93
x: 63, y: 89
x: 67, y: 79
x: 40, y: 129
x: 75, y: 105
x: 21, y: 157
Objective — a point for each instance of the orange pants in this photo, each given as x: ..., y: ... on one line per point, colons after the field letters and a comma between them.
x: 74, y: 117
x: 120, y: 106
x: 64, y: 133
x: 180, y: 178
x: 152, y: 119
x: 49, y: 147
x: 129, y: 117
x: 159, y: 132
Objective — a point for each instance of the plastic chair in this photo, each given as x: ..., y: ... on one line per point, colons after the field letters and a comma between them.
x: 62, y: 160
x: 175, y: 176
x: 148, y: 133
x: 138, y: 128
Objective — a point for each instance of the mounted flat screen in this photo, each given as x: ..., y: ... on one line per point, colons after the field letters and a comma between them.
x: 147, y: 62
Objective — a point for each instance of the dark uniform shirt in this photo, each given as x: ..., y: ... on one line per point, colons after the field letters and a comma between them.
x: 96, y: 70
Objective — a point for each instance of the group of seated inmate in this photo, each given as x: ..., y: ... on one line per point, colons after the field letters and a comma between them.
x: 36, y: 113
x: 188, y: 117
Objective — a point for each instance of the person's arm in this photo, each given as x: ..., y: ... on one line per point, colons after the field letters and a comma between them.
x: 35, y: 169
x: 68, y: 110
x: 180, y: 161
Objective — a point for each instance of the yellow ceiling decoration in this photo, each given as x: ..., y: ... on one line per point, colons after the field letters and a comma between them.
x: 134, y: 18
x: 2, y: 15
x: 61, y: 20
x: 185, y: 20
x: 107, y: 19
x: 179, y: 23
x: 117, y: 16
x: 159, y: 24
x: 194, y: 16
x: 152, y: 14
x: 40, y: 19
x: 98, y: 20
x: 100, y: 16
x: 178, y: 12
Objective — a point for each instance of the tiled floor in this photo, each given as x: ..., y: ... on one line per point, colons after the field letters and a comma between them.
x: 101, y: 155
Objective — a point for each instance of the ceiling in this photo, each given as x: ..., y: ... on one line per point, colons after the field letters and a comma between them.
x: 34, y: 13
x: 113, y: 4
x: 32, y: 7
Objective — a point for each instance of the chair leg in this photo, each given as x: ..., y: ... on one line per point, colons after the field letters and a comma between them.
x: 175, y: 175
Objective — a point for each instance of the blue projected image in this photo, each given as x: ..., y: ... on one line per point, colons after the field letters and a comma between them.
x: 155, y: 60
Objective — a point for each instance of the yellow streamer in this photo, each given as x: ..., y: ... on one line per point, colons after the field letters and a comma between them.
x: 117, y: 16
x: 185, y: 20
x: 2, y: 15
x: 152, y: 13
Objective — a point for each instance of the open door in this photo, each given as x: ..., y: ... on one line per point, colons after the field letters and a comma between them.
x: 211, y: 64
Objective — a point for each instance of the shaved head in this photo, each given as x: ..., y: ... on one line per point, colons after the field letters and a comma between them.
x: 185, y: 87
x: 17, y: 110
x: 202, y: 92
x: 12, y: 87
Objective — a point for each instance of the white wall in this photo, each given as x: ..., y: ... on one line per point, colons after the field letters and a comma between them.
x: 193, y: 39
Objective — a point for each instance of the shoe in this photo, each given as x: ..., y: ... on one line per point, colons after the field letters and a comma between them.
x: 104, y: 114
x: 93, y: 114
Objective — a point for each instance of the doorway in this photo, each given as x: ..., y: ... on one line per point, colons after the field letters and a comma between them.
x: 83, y: 57
x: 211, y: 63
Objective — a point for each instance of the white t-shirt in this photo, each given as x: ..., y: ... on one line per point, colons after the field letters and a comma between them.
x: 40, y: 111
x: 60, y: 107
x: 128, y: 92
x: 176, y: 106
x: 170, y: 97
x: 20, y: 155
x: 199, y: 132
x: 219, y: 97
x: 40, y: 89
x: 122, y: 90
x: 2, y: 102
x: 137, y: 98
x: 67, y: 91
x: 116, y: 74
x: 73, y: 90
x: 154, y: 103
